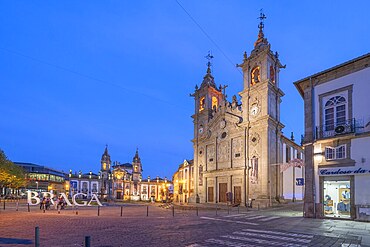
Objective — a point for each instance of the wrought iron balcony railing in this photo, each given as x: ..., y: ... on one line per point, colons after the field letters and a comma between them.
x: 338, y: 129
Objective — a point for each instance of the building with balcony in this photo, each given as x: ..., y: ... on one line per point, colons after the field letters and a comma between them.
x: 337, y: 140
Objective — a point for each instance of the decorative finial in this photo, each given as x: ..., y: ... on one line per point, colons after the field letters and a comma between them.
x: 209, y: 57
x: 261, y: 17
x: 245, y: 56
x: 292, y: 137
x: 261, y: 25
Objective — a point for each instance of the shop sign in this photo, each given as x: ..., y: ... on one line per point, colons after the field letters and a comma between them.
x: 34, y: 199
x: 343, y: 171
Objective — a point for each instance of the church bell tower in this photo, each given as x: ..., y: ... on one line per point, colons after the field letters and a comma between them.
x: 105, y: 173
x: 261, y: 98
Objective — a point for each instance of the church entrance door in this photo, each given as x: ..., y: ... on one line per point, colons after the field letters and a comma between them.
x: 237, y: 194
x: 210, y: 194
x: 222, y: 192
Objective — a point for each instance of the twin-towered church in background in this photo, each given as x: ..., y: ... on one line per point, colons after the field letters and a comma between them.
x: 120, y: 182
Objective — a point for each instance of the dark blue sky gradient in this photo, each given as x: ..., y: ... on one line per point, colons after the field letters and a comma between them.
x: 77, y: 75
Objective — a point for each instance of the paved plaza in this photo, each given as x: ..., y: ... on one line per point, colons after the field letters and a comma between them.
x: 185, y: 226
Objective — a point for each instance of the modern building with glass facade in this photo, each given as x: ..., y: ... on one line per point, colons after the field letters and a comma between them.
x: 41, y: 178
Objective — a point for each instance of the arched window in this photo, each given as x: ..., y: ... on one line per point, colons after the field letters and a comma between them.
x: 202, y: 103
x: 214, y: 103
x: 255, y: 76
x: 272, y: 74
x: 335, y: 112
x: 254, y: 170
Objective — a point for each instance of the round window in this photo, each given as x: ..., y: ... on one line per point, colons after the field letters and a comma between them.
x: 223, y: 135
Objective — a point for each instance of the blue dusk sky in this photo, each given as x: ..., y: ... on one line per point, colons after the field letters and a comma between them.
x: 77, y: 75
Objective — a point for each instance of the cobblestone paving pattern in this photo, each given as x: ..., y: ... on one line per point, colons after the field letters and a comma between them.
x: 186, y: 228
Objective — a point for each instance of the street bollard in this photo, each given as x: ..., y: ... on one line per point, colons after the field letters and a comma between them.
x: 121, y: 211
x: 87, y: 241
x: 98, y: 210
x: 173, y: 211
x: 228, y: 209
x: 77, y: 211
x: 216, y: 210
x: 37, y: 237
x: 28, y: 205
x: 4, y: 204
x: 16, y: 206
x: 197, y: 211
x: 147, y: 211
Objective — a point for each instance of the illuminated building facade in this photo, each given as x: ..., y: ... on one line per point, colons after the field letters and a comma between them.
x: 183, y: 182
x: 239, y: 145
x: 121, y: 182
x: 128, y: 183
x: 41, y: 178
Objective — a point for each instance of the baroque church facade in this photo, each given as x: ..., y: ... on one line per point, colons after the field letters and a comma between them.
x: 238, y: 146
x: 120, y: 182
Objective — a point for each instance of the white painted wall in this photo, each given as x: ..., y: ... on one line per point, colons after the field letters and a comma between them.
x: 360, y: 147
x: 360, y: 152
x: 360, y: 96
x: 289, y: 180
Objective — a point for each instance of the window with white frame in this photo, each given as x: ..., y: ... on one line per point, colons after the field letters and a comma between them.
x: 335, y: 112
x: 334, y: 153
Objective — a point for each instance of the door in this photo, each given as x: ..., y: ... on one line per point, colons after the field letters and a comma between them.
x: 210, y: 194
x: 237, y: 194
x: 222, y: 192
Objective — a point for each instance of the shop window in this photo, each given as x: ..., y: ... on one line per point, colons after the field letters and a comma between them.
x: 332, y: 153
x: 337, y: 198
x: 335, y: 112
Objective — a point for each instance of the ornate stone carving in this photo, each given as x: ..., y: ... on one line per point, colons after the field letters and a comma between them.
x: 201, y: 151
x: 223, y: 151
x: 237, y: 148
x: 210, y: 153
x: 254, y: 139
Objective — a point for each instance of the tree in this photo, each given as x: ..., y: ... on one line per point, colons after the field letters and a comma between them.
x: 11, y: 176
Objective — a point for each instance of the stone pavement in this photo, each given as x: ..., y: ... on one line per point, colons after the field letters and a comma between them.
x: 278, y: 227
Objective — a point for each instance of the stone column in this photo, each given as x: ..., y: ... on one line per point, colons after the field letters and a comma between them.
x: 309, y: 198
